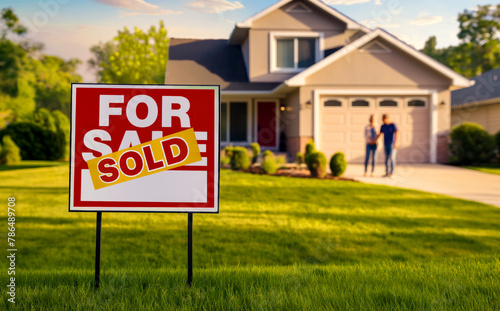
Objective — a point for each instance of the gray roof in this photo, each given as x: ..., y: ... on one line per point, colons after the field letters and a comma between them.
x: 210, y: 62
x: 486, y: 87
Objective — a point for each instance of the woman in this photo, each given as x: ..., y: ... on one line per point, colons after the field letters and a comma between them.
x: 371, y: 144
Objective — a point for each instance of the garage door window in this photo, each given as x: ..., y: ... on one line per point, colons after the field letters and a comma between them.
x: 360, y: 103
x: 417, y: 103
x: 332, y: 103
x: 388, y: 103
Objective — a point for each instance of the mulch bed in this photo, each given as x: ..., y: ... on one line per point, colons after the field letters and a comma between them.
x: 291, y: 172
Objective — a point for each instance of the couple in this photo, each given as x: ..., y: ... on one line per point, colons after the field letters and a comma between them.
x: 391, y: 136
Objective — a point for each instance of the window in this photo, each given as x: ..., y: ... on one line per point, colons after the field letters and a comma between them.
x: 223, y: 122
x: 284, y: 53
x: 233, y: 122
x: 416, y: 103
x: 360, y: 103
x: 294, y: 52
x: 238, y: 122
x: 388, y: 103
x: 333, y: 103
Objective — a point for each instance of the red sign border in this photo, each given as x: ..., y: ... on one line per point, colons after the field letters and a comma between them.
x: 176, y: 210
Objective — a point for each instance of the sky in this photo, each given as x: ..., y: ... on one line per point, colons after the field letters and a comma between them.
x: 68, y: 28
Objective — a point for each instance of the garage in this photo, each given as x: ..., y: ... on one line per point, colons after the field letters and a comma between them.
x: 342, y: 120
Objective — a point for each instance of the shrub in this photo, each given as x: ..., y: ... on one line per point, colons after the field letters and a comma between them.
x: 240, y: 159
x: 310, y: 148
x: 269, y: 164
x: 10, y: 154
x: 228, y: 151
x: 63, y: 129
x: 316, y: 163
x: 471, y: 145
x: 299, y: 158
x: 497, y: 140
x: 255, y: 148
x: 338, y: 164
x: 35, y: 142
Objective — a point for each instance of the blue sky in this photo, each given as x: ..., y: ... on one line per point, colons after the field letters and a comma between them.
x: 68, y: 28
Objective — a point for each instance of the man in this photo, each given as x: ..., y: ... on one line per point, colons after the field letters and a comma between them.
x: 391, y: 136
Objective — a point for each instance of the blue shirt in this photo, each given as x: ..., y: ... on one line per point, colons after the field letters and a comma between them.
x: 389, y: 133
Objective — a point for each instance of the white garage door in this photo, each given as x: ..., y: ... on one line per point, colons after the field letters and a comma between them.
x: 343, y: 120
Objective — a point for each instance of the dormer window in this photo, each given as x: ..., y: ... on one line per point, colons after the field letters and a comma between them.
x: 294, y: 52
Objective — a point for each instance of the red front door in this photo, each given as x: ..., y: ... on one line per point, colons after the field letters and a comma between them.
x: 266, y: 124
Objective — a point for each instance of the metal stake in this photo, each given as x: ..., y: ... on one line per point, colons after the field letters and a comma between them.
x: 98, y: 250
x: 190, y: 249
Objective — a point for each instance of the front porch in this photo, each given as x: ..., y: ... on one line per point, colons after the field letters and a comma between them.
x: 244, y: 121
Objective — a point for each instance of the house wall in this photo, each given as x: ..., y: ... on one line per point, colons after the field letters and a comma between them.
x: 395, y: 69
x: 245, y: 50
x: 289, y: 122
x: 280, y: 20
x: 488, y: 116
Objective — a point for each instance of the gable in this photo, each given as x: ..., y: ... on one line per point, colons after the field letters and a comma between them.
x: 375, y: 46
x: 298, y: 15
x: 410, y: 55
x: 378, y: 63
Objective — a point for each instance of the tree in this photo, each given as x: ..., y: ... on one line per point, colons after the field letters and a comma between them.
x: 28, y: 78
x: 102, y: 52
x: 479, y: 48
x: 12, y: 23
x: 10, y: 154
x: 133, y: 57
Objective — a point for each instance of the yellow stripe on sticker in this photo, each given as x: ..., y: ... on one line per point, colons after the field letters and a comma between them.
x: 156, y: 156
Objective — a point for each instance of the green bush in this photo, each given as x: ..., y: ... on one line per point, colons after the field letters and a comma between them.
x: 35, y: 142
x: 497, y: 140
x: 316, y: 163
x: 255, y: 148
x: 240, y: 159
x: 10, y: 153
x: 269, y: 164
x: 63, y: 129
x: 338, y: 164
x: 299, y: 158
x: 228, y: 151
x: 471, y: 145
x: 310, y: 148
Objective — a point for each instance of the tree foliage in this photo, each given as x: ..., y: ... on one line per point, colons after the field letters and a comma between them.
x: 136, y: 57
x: 479, y: 47
x: 10, y: 153
x: 28, y: 78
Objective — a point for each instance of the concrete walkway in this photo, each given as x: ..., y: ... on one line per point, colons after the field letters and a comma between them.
x: 443, y: 179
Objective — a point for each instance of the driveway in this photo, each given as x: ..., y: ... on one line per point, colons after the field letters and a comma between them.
x: 443, y: 179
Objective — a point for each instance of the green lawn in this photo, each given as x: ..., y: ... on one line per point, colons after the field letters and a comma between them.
x: 278, y: 244
x: 492, y: 169
x: 31, y: 164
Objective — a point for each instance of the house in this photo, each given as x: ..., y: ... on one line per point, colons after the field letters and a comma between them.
x: 301, y: 70
x: 479, y: 103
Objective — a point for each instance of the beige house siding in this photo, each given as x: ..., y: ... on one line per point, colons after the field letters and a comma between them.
x: 378, y: 69
x: 488, y: 116
x: 282, y: 21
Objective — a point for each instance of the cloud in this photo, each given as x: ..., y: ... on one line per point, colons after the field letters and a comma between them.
x: 345, y: 2
x: 215, y: 6
x: 378, y: 2
x: 137, y: 7
x: 427, y: 20
x: 375, y: 24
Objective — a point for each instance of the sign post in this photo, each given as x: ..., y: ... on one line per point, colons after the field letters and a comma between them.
x: 144, y: 148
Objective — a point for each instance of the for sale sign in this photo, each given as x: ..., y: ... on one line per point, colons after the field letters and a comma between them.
x: 144, y: 148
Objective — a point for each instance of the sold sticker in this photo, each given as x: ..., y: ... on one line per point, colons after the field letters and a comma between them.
x: 156, y: 156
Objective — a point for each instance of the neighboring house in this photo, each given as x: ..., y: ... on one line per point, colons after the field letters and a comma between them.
x: 479, y: 103
x: 300, y: 70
